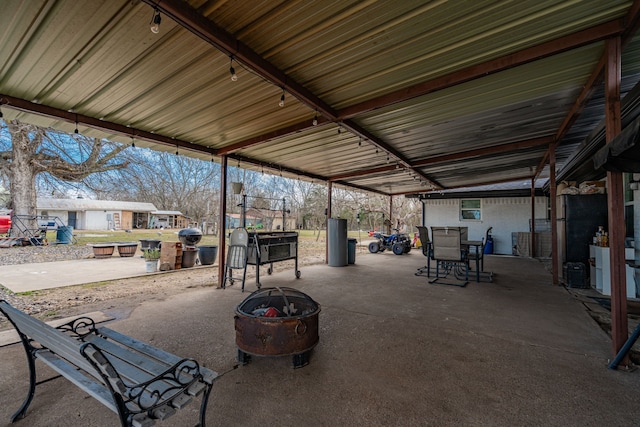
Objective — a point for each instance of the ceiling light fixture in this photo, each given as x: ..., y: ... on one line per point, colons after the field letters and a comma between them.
x: 232, y: 71
x: 177, y: 150
x: 154, y: 25
x: 76, y: 129
x: 281, y: 103
x: 133, y: 142
x: 315, y: 119
x: 360, y: 142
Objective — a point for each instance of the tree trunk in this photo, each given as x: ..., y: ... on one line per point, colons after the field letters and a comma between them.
x: 22, y: 180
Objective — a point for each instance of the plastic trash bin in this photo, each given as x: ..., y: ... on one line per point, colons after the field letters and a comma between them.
x: 352, y: 250
x: 64, y: 235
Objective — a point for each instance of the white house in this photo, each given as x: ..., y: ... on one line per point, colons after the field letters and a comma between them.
x: 86, y: 214
x: 507, y: 211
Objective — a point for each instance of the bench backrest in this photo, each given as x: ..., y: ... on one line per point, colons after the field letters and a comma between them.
x: 57, y: 341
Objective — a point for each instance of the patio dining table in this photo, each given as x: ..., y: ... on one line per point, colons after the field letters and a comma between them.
x: 478, y: 246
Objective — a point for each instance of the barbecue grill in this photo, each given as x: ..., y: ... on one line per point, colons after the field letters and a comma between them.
x: 270, y: 247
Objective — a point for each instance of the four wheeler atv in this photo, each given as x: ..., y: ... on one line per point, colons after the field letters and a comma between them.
x: 399, y: 243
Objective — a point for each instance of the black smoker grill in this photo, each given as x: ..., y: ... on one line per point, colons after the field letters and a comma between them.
x: 267, y: 248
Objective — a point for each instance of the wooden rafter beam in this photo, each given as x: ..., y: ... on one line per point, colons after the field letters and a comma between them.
x: 102, y: 125
x: 488, y: 182
x: 553, y: 47
x: 276, y: 167
x: 502, y: 148
x: 496, y: 149
x: 364, y: 172
x: 279, y: 133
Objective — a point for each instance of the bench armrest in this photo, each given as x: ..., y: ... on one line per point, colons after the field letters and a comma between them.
x: 79, y: 328
x: 148, y: 395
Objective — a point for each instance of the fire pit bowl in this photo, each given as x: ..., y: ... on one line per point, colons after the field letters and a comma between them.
x: 190, y: 236
x: 277, y: 322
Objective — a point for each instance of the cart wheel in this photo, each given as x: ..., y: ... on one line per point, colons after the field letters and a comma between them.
x: 298, y: 274
x: 269, y: 270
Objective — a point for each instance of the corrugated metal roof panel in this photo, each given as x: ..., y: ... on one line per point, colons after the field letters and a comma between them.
x: 99, y: 59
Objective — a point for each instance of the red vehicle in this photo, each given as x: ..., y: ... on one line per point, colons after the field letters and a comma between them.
x: 5, y: 224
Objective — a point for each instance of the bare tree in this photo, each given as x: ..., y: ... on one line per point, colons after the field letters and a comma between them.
x: 170, y: 182
x: 32, y: 151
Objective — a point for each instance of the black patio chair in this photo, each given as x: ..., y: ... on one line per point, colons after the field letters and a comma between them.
x: 427, y: 251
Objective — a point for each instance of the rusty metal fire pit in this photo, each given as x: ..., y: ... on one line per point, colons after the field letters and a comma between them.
x: 277, y: 322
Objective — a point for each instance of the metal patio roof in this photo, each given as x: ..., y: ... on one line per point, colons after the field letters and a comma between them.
x: 410, y: 96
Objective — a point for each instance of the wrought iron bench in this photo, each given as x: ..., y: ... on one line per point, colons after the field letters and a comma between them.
x: 139, y: 382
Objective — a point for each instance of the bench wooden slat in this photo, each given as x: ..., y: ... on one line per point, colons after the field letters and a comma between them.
x: 180, y: 401
x: 135, y: 368
x: 150, y: 367
x: 162, y: 356
x: 163, y: 412
x: 55, y: 340
x: 142, y: 347
x: 142, y: 420
x: 88, y: 385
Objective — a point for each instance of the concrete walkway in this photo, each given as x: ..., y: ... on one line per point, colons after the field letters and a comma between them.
x: 394, y: 350
x: 47, y: 275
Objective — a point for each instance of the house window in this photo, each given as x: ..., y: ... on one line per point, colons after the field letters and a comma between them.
x: 470, y: 209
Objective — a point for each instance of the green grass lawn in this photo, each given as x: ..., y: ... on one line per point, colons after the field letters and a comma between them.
x: 101, y: 236
x: 84, y: 237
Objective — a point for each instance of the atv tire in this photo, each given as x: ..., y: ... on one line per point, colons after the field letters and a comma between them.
x: 398, y: 248
x: 374, y: 247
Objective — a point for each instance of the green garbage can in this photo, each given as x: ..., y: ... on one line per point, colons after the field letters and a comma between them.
x: 351, y: 250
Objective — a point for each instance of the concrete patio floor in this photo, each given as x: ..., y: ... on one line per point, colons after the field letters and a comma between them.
x: 394, y: 350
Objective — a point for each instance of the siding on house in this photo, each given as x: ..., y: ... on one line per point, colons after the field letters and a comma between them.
x: 505, y: 214
x: 94, y: 214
